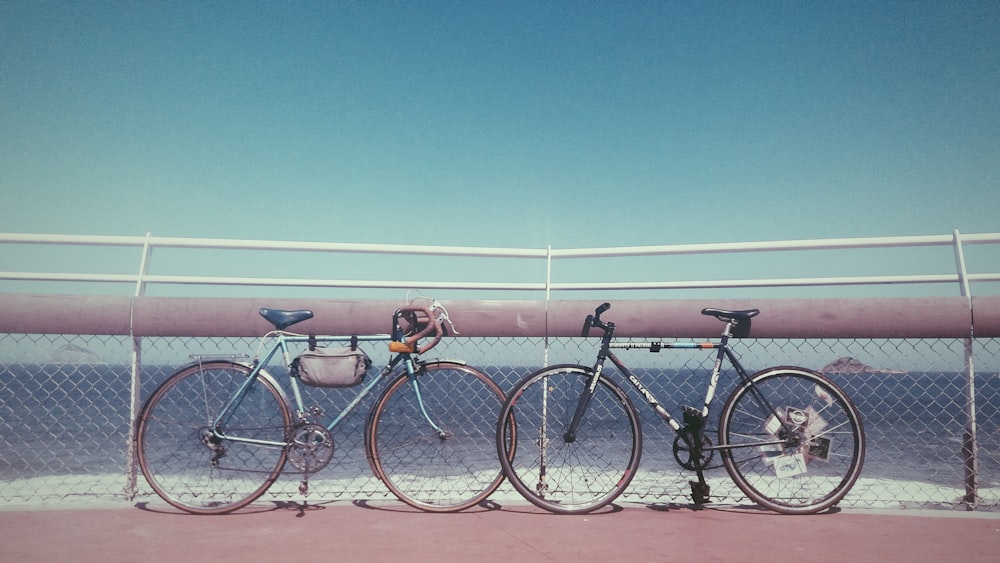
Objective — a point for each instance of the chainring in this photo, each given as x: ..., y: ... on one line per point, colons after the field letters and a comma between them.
x: 310, y: 447
x: 688, y: 458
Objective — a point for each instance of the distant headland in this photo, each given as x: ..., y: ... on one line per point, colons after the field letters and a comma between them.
x: 853, y: 365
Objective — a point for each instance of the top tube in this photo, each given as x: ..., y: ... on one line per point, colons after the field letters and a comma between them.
x: 657, y: 346
x: 419, y: 322
x: 295, y: 337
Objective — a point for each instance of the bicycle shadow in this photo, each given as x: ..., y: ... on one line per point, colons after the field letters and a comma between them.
x: 300, y: 508
x: 483, y: 507
x: 399, y: 507
x: 751, y: 509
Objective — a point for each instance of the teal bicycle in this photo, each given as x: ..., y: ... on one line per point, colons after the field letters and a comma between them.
x: 216, y: 435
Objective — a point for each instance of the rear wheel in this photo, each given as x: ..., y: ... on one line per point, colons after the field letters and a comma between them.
x: 200, y: 470
x: 796, y: 442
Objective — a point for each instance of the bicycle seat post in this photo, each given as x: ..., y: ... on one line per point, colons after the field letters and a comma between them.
x: 727, y: 331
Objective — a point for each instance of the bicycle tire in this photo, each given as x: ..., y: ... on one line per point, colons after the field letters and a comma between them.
x: 418, y: 466
x: 579, y: 476
x: 824, y: 447
x: 175, y: 448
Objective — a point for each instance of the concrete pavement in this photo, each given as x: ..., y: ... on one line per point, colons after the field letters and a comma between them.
x: 390, y: 531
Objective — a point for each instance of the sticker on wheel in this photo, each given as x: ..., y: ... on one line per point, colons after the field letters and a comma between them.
x: 790, y: 465
x: 819, y: 448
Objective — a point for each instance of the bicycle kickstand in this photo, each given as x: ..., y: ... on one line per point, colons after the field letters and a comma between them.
x: 304, y: 491
x: 700, y: 490
x: 694, y: 427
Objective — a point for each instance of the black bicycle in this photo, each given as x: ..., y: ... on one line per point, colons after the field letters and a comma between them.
x: 789, y: 437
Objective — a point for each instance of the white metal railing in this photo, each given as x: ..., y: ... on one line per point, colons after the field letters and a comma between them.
x: 958, y: 275
x: 143, y: 278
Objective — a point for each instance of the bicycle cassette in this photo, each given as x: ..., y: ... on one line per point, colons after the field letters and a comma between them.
x: 310, y: 447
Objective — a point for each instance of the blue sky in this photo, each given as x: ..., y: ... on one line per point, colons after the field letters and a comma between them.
x: 506, y: 124
x: 502, y: 124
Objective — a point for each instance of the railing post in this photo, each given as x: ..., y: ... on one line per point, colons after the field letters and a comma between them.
x: 140, y: 283
x: 548, y: 299
x: 970, y: 447
x: 131, y: 469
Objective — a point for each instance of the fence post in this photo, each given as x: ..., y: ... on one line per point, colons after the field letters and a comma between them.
x: 131, y: 470
x: 970, y: 447
x: 548, y: 299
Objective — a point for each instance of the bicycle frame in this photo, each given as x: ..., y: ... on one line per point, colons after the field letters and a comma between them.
x: 724, y: 352
x: 282, y: 342
x: 789, y: 437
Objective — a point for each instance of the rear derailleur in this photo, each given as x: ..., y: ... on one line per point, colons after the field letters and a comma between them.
x: 212, y: 441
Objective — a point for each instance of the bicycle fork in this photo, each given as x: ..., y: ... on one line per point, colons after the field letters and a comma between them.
x: 411, y: 373
x: 569, y: 436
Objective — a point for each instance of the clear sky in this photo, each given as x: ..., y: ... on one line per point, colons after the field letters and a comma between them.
x: 517, y: 124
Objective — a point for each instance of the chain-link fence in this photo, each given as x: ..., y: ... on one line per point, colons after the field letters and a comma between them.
x: 65, y: 413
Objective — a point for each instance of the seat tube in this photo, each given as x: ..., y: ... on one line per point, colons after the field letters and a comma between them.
x: 713, y: 381
x: 292, y: 381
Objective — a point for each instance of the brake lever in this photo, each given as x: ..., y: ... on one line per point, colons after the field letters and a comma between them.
x: 443, y: 317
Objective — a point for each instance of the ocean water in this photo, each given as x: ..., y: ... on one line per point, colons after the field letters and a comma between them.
x: 73, y: 419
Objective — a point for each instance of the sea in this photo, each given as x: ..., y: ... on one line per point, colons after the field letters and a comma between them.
x: 64, y: 431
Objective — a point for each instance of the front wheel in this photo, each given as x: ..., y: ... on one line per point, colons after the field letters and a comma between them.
x: 430, y: 438
x: 791, y: 440
x: 562, y: 473
x: 212, y: 471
